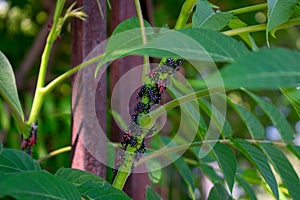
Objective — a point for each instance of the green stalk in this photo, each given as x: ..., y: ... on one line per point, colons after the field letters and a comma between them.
x: 42, y: 91
x: 177, y: 102
x: 70, y: 72
x: 54, y: 153
x: 248, y: 29
x: 144, y: 39
x: 129, y: 157
x: 185, y: 12
x: 39, y: 94
x: 249, y: 9
x: 261, y: 27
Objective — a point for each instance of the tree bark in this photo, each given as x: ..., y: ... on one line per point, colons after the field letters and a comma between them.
x: 85, y: 36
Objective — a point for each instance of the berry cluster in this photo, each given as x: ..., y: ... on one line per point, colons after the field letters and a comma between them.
x: 31, y: 140
x: 149, y: 95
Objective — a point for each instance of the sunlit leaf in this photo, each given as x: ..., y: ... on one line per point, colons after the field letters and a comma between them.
x: 8, y: 88
x: 227, y: 162
x: 277, y: 118
x: 293, y: 95
x: 38, y: 185
x: 279, y: 11
x: 253, y: 125
x: 260, y: 161
x: 101, y: 191
x: 236, y: 23
x: 129, y: 24
x: 205, y: 17
x: 284, y: 168
x: 219, y: 192
x: 90, y: 186
x: 295, y: 150
x: 191, y: 44
x: 263, y: 69
x: 12, y: 160
x: 78, y: 177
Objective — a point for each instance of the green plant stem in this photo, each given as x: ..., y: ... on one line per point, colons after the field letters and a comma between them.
x: 70, y: 72
x: 248, y: 29
x: 129, y: 157
x: 39, y: 94
x: 176, y: 102
x: 54, y: 153
x: 249, y: 9
x: 128, y: 160
x: 261, y: 27
x: 144, y: 39
x: 185, y: 13
x: 42, y: 91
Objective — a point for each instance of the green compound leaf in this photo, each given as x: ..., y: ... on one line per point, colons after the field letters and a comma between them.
x: 227, y: 162
x: 279, y: 11
x: 236, y: 23
x: 205, y: 17
x: 8, y: 88
x: 260, y: 161
x: 191, y: 44
x: 210, y: 173
x: 182, y: 167
x: 130, y: 24
x: 38, y: 185
x: 284, y: 168
x: 247, y: 188
x: 77, y: 177
x: 90, y: 186
x: 277, y: 118
x: 12, y: 160
x: 219, y: 192
x: 253, y: 125
x: 293, y: 96
x: 263, y: 69
x: 217, y: 117
x: 295, y: 150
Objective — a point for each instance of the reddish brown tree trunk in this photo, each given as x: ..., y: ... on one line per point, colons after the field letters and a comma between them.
x: 121, y: 10
x: 85, y: 36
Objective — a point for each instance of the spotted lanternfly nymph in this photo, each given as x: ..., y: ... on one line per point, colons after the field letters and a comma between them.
x: 31, y: 140
x: 126, y: 139
x: 161, y: 85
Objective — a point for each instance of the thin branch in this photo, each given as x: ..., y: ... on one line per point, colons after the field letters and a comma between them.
x: 54, y: 153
